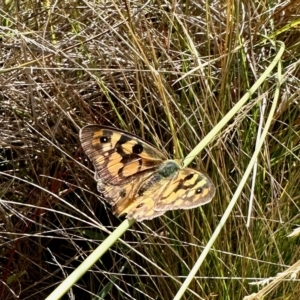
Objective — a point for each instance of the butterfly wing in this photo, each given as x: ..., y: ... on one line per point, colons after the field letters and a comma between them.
x: 118, y: 195
x: 142, y: 206
x: 163, y: 191
x: 188, y: 189
x: 120, y: 159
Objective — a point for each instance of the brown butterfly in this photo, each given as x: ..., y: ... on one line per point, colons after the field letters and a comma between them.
x: 137, y: 179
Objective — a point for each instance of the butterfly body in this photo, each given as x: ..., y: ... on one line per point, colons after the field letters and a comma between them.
x: 137, y: 179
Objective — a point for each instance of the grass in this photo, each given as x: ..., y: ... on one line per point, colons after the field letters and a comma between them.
x: 168, y: 72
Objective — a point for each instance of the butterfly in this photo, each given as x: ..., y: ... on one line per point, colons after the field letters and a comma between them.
x: 138, y: 180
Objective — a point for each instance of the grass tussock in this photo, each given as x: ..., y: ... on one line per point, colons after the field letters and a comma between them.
x: 167, y: 72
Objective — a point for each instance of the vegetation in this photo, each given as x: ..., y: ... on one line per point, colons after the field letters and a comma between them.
x: 168, y: 72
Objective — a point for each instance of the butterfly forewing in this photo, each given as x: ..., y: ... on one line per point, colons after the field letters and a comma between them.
x: 118, y: 157
x: 188, y: 189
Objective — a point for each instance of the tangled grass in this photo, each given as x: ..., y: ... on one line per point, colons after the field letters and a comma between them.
x: 167, y: 72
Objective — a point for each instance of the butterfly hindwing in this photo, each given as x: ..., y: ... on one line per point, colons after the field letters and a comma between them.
x: 142, y: 206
